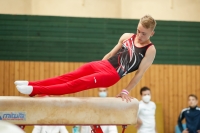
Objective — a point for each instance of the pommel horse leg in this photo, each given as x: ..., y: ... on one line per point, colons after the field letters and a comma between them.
x: 96, y: 129
x: 21, y: 126
x: 124, y: 128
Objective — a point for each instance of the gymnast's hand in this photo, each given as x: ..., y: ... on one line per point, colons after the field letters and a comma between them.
x: 125, y: 96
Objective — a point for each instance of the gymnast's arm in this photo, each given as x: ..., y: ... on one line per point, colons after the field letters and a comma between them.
x: 144, y: 65
x: 118, y: 46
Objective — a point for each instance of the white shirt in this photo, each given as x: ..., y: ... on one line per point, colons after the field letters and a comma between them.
x: 105, y: 129
x: 146, y: 114
x: 49, y: 129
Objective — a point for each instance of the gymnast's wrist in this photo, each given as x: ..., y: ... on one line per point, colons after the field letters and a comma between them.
x: 124, y: 91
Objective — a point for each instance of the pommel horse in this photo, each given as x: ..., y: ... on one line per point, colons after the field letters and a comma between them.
x: 93, y: 111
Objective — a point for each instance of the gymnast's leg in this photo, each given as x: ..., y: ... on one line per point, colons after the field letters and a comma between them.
x: 80, y: 84
x: 79, y: 80
x: 86, y: 69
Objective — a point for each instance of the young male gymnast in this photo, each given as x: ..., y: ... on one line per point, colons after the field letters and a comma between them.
x: 132, y: 52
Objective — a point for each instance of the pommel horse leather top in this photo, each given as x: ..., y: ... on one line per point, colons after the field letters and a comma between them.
x: 68, y: 110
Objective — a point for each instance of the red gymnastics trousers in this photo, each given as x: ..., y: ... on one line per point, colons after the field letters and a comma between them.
x: 90, y: 75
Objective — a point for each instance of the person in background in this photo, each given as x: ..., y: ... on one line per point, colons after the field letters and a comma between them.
x: 106, y: 129
x: 49, y: 129
x: 146, y: 115
x: 192, y: 116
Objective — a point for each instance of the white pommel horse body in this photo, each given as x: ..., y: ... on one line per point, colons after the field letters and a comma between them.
x: 94, y: 111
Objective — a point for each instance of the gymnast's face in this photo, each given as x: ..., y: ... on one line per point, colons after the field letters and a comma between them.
x: 143, y: 34
x: 192, y: 101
